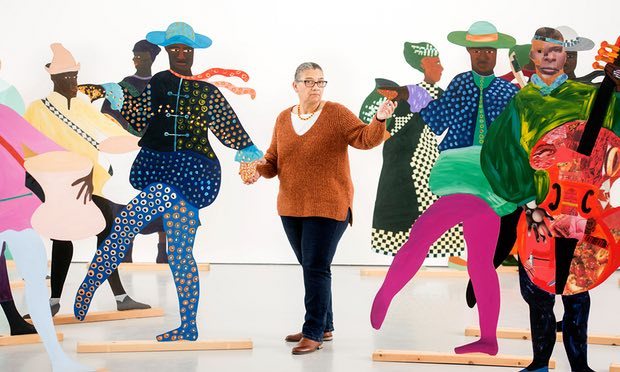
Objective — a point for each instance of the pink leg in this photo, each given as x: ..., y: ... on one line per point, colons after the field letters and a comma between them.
x: 481, y: 230
x: 481, y: 236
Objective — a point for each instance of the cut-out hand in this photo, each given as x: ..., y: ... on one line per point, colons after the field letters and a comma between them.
x: 394, y: 93
x: 613, y: 72
x: 87, y: 187
x: 535, y: 218
x: 93, y: 91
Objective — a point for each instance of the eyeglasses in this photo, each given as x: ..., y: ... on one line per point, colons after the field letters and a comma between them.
x: 310, y: 83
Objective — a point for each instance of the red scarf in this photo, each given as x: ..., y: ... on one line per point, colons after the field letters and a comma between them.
x: 214, y: 71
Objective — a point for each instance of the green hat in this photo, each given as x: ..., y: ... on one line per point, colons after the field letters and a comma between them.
x: 414, y: 52
x: 482, y: 34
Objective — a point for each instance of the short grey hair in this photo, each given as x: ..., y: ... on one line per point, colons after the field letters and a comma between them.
x: 306, y: 66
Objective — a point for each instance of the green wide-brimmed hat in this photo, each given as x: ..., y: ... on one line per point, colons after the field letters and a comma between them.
x: 482, y: 34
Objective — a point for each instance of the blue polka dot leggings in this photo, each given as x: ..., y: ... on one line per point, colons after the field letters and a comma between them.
x: 180, y: 220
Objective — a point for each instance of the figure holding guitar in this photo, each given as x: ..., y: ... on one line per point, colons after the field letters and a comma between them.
x: 541, y: 155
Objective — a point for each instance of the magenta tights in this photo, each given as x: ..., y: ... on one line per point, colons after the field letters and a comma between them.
x: 481, y: 228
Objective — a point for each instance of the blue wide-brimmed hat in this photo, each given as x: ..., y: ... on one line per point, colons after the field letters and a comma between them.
x: 179, y: 33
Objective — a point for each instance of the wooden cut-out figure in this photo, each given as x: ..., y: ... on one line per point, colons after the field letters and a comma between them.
x: 467, y: 109
x: 548, y: 104
x: 176, y: 170
x: 403, y: 193
x: 78, y: 127
x: 132, y: 118
x: 18, y: 140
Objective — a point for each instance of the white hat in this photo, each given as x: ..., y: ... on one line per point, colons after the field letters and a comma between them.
x: 574, y: 42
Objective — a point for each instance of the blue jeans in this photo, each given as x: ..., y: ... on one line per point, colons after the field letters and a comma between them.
x: 314, y: 241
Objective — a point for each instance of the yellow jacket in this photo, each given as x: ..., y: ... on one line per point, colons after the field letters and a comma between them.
x: 85, y: 128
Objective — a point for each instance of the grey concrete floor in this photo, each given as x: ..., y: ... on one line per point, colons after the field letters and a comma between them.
x: 265, y: 302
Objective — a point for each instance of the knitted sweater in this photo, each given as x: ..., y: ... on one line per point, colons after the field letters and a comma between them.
x: 313, y: 169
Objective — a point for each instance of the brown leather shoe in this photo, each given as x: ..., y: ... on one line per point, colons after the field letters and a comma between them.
x: 306, y: 345
x: 327, y: 336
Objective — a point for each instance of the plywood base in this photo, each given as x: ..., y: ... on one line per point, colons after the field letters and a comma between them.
x: 10, y: 264
x: 104, y: 316
x: 20, y: 284
x: 147, y: 346
x: 524, y: 334
x: 8, y: 340
x: 135, y: 266
x: 614, y: 368
x: 414, y: 356
x: 435, y: 272
x: 138, y: 266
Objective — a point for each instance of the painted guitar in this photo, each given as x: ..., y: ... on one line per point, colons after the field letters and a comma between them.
x: 582, y: 160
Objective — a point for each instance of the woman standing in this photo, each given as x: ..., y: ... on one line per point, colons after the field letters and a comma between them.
x: 308, y: 153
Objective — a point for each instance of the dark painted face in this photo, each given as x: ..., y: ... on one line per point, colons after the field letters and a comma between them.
x: 66, y: 83
x: 483, y: 60
x: 571, y: 63
x: 142, y: 60
x: 181, y: 57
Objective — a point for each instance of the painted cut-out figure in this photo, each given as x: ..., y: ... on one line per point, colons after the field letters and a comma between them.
x: 9, y: 96
x: 128, y: 115
x: 548, y: 102
x: 17, y: 204
x: 176, y: 170
x: 408, y: 155
x: 17, y: 324
x: 144, y: 54
x: 469, y: 105
x: 78, y: 127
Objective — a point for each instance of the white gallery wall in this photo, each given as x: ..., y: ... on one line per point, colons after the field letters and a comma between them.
x: 354, y: 42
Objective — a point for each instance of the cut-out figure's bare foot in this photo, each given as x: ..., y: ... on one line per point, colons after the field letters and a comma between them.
x: 481, y: 346
x: 186, y: 333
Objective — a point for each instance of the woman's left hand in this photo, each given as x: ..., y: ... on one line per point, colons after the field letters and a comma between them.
x: 386, y: 110
x: 248, y: 172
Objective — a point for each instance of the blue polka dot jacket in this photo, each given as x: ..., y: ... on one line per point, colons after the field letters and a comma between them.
x: 457, y: 109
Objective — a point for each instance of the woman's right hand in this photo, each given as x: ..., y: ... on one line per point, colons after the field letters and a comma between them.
x: 386, y: 110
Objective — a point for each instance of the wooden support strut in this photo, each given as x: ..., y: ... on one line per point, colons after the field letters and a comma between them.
x: 139, y: 266
x: 414, y: 356
x: 19, y: 284
x: 150, y: 346
x: 614, y: 368
x: 8, y: 340
x: 104, y: 316
x: 524, y: 334
x: 435, y: 272
x: 10, y: 264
